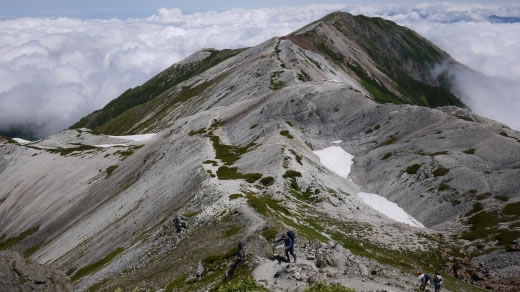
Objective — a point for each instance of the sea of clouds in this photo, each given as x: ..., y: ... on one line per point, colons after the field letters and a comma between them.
x: 54, y: 71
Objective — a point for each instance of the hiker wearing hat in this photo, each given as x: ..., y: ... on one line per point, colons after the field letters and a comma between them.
x: 288, y: 241
x: 424, y: 279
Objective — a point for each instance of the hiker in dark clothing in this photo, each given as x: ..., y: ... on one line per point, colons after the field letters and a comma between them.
x: 437, y: 281
x: 288, y: 241
x: 425, y: 280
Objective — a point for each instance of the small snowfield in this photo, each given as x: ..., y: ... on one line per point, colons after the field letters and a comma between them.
x: 136, y: 138
x: 340, y: 162
x: 21, y: 141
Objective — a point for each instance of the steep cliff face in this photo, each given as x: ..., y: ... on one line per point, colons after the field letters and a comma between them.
x: 234, y: 157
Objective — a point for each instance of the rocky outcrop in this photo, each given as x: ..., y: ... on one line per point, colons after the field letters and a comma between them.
x: 19, y: 274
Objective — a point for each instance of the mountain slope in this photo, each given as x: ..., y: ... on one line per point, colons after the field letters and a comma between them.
x: 233, y: 165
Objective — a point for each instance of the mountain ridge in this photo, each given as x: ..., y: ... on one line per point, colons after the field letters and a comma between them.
x: 232, y: 165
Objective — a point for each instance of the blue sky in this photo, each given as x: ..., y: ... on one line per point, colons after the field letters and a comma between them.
x: 140, y: 8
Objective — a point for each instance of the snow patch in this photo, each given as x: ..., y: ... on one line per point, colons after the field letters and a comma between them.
x: 389, y: 209
x: 21, y: 141
x: 137, y: 138
x: 337, y: 141
x: 110, y: 145
x: 336, y: 159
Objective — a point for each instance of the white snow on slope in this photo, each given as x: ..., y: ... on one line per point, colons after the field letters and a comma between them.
x: 21, y: 141
x: 337, y: 141
x: 335, y: 159
x: 389, y: 209
x: 340, y: 162
x: 110, y: 145
x: 137, y: 138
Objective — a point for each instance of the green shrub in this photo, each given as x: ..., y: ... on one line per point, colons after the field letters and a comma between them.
x: 324, y: 287
x: 253, y: 126
x: 512, y: 209
x: 252, y: 177
x: 506, y: 237
x: 477, y: 207
x: 198, y: 132
x: 444, y: 187
x: 110, y: 170
x: 298, y: 157
x: 262, y: 204
x: 440, y: 171
x: 177, y: 283
x: 228, y: 153
x: 502, y: 198
x: 504, y: 134
x: 267, y: 181
x: 292, y: 173
x: 412, y: 169
x: 286, y: 134
x: 483, y: 196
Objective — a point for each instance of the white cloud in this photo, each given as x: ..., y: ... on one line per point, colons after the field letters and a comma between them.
x: 54, y: 71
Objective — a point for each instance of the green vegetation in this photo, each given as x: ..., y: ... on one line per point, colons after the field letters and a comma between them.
x: 98, y: 285
x: 440, y: 171
x: 228, y: 154
x: 235, y: 196
x: 387, y: 155
x: 135, y: 97
x: 177, y: 283
x: 289, y: 123
x: 292, y: 173
x: 110, y: 170
x: 253, y: 126
x: 422, y: 153
x: 68, y: 151
x: 303, y: 76
x: 470, y: 151
x: 484, y: 196
x: 228, y: 173
x: 477, y: 207
x: 9, y: 242
x: 444, y: 187
x: 502, y: 198
x: 212, y: 162
x: 412, y: 169
x: 269, y: 233
x: 198, y: 132
x: 267, y: 181
x: 324, y: 287
x: 504, y: 134
x: 262, y: 204
x: 369, y: 131
x: 286, y: 134
x: 275, y: 83
x: 391, y: 140
x: 94, y: 267
x: 512, y: 209
x: 231, y: 231
x: 31, y: 250
x: 191, y: 214
x: 298, y: 157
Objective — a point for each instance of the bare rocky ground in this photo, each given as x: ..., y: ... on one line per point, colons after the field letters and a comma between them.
x: 197, y: 205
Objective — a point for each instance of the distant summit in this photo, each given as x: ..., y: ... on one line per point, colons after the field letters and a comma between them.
x: 503, y: 19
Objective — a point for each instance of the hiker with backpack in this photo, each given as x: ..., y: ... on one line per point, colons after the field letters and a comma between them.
x: 437, y: 281
x: 288, y: 240
x: 424, y: 279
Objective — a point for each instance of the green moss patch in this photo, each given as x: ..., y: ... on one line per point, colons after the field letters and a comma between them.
x: 228, y: 173
x: 228, y: 153
x: 177, y: 283
x: 483, y: 196
x: 110, y: 170
x: 94, y: 267
x: 262, y: 204
x: 412, y: 169
x: 269, y: 233
x: 9, y: 242
x: 440, y: 171
x: 231, y: 231
x: 71, y: 150
x: 235, y: 196
x: 512, y: 209
x: 286, y: 133
x: 292, y: 173
x: 197, y: 132
x: 298, y: 157
x: 502, y: 198
x: 267, y: 181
